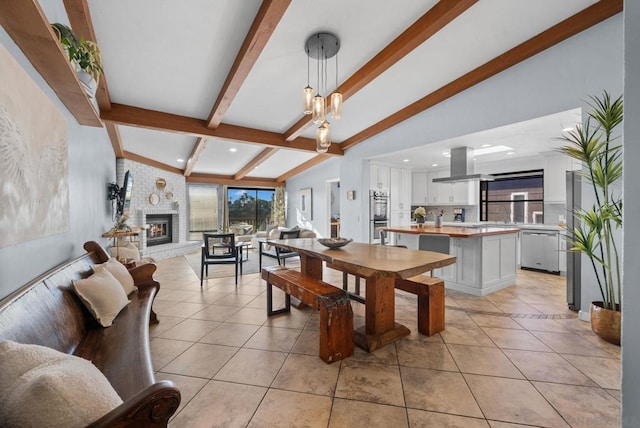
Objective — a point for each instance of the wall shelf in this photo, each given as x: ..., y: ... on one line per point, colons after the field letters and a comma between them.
x: 29, y: 28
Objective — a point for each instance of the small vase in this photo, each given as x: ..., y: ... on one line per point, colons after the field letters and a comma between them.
x: 438, y: 221
x: 605, y: 323
x: 420, y: 220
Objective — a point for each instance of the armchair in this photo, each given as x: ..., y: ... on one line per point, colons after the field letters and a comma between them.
x: 278, y: 253
x: 219, y: 248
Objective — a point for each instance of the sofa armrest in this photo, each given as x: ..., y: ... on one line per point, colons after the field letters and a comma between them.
x: 143, y: 274
x: 151, y: 407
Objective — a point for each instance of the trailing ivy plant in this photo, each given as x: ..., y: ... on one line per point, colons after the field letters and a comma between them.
x: 84, y: 53
x: 594, y: 143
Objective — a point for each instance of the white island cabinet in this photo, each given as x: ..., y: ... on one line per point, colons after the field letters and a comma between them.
x: 486, y: 257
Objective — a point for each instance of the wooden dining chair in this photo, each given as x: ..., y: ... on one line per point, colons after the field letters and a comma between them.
x: 219, y: 248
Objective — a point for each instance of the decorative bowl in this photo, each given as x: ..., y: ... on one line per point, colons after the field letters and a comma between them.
x: 334, y: 242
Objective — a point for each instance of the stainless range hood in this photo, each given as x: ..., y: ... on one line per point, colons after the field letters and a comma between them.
x: 462, y: 165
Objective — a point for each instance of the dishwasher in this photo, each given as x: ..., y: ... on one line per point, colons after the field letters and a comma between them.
x: 540, y: 250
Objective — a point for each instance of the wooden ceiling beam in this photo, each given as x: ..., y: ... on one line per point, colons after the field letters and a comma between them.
x: 116, y: 140
x: 136, y: 116
x: 151, y: 162
x: 198, y: 148
x: 229, y: 180
x: 263, y: 26
x: 302, y: 167
x: 571, y: 26
x: 28, y: 26
x: 82, y: 25
x: 426, y: 26
x: 253, y: 163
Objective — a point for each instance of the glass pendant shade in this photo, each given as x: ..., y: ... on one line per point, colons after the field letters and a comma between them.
x: 308, y: 100
x: 323, y: 137
x: 336, y: 105
x: 318, y: 109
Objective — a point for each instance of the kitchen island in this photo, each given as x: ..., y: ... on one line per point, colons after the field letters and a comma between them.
x: 486, y: 256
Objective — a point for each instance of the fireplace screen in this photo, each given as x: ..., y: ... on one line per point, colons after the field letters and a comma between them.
x: 159, y: 231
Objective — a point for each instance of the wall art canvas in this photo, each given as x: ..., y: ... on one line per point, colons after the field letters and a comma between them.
x: 34, y: 190
x: 306, y: 204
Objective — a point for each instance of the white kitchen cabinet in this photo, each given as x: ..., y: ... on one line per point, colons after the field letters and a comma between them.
x: 458, y: 193
x: 400, y: 218
x: 419, y: 188
x: 465, y: 192
x: 555, y: 189
x: 433, y: 197
x: 379, y: 177
x: 399, y: 189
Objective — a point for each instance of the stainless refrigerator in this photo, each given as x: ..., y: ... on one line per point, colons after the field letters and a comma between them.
x: 573, y: 258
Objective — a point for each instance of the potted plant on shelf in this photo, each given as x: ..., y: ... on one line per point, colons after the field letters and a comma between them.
x: 595, y: 236
x: 83, y: 54
x: 419, y: 215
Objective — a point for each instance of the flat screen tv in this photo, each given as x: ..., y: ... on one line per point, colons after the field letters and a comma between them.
x: 125, y: 195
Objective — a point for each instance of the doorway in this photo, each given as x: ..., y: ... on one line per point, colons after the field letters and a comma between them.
x: 333, y: 205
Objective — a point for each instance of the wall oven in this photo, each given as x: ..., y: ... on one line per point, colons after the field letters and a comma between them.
x: 378, y: 214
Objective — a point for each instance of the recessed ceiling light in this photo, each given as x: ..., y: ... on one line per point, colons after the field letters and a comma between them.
x: 405, y: 160
x: 180, y: 160
x: 486, y: 145
x: 492, y: 149
x: 569, y: 129
x: 233, y: 150
x: 510, y: 153
x: 434, y: 164
x: 445, y: 153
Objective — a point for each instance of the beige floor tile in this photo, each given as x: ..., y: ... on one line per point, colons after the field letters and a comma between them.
x: 164, y: 324
x: 216, y: 312
x: 235, y: 299
x: 542, y: 325
x: 547, y: 367
x: 181, y: 309
x: 438, y: 391
x: 385, y: 355
x: 614, y: 351
x: 458, y: 317
x: 286, y: 409
x: 253, y: 367
x: 220, y: 404
x: 207, y: 297
x: 576, y: 325
x: 425, y: 419
x: 201, y: 360
x: 161, y: 305
x: 496, y: 424
x: 515, y: 339
x: 479, y: 305
x: 188, y: 386
x: 190, y: 329
x: 230, y: 334
x: 606, y: 372
x: 295, y: 319
x: 582, y: 406
x: 615, y: 393
x: 495, y: 321
x: 570, y: 344
x: 249, y: 316
x: 516, y: 308
x: 308, y: 343
x: 466, y: 336
x: 427, y: 355
x: 164, y: 351
x: 512, y: 400
x: 483, y: 361
x: 273, y: 339
x: 306, y: 373
x: 351, y: 413
x: 371, y: 382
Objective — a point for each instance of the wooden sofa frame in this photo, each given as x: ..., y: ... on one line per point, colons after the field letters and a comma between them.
x: 47, y: 312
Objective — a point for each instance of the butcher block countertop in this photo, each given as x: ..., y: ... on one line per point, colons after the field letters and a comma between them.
x: 452, y: 231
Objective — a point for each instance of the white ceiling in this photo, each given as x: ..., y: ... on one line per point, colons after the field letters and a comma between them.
x: 174, y: 57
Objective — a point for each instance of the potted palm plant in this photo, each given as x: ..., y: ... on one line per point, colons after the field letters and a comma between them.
x: 594, y: 143
x: 85, y: 56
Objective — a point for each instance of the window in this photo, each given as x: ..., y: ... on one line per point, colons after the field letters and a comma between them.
x: 203, y: 210
x: 250, y: 206
x: 516, y: 197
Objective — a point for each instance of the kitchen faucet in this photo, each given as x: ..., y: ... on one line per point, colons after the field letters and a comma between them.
x: 506, y: 214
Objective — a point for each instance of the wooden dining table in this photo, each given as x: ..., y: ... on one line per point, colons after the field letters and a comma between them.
x: 381, y: 266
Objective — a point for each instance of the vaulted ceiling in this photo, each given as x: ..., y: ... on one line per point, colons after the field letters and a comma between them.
x: 219, y: 83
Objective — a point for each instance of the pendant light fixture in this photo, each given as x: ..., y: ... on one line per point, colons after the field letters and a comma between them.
x: 321, y: 47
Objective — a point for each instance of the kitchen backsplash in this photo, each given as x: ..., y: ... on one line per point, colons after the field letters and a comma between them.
x: 552, y: 212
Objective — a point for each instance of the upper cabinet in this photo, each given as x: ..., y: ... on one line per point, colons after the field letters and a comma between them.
x: 555, y: 189
x: 459, y: 193
x: 379, y: 177
x: 399, y: 189
x: 419, y: 194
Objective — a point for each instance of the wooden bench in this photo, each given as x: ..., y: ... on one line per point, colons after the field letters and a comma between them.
x: 430, y: 292
x: 47, y: 312
x: 336, y: 315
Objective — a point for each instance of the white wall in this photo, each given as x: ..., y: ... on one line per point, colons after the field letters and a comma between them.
x: 91, y: 166
x: 631, y: 287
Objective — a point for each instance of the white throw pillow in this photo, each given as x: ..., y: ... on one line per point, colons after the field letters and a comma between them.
x: 102, y: 294
x: 128, y: 251
x: 119, y: 272
x: 41, y: 387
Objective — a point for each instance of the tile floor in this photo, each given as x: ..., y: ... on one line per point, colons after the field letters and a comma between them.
x: 514, y: 358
